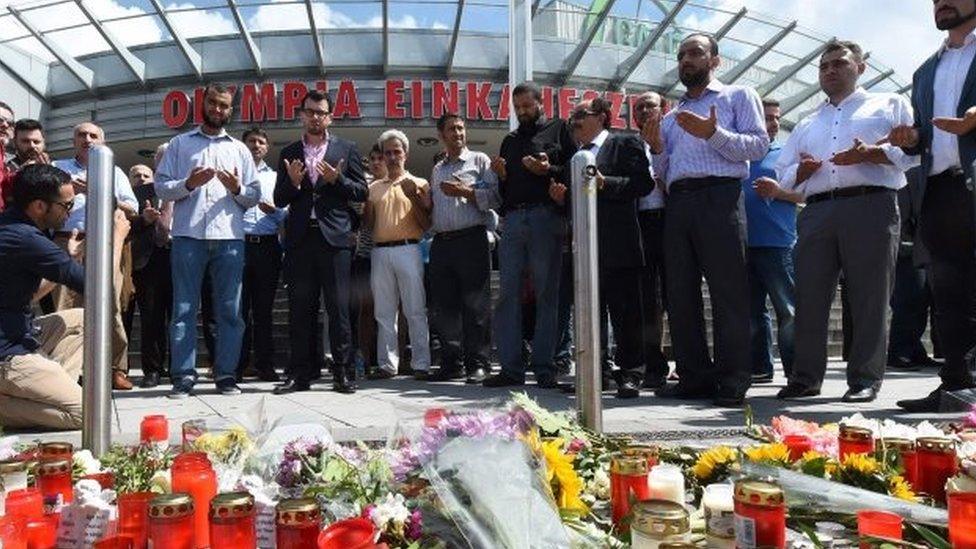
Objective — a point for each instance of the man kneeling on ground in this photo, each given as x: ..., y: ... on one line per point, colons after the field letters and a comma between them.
x: 41, y: 358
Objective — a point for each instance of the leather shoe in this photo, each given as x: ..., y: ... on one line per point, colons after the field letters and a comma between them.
x: 149, y: 380
x: 380, y: 374
x: 758, y: 379
x: 860, y: 394
x: 627, y: 389
x: 475, y: 376
x: 502, y: 380
x: 446, y: 374
x: 682, y: 392
x: 120, y: 382
x: 291, y: 386
x: 927, y: 404
x: 796, y: 390
x: 546, y: 381
x: 925, y: 361
x: 269, y: 375
x: 344, y: 386
x: 902, y: 363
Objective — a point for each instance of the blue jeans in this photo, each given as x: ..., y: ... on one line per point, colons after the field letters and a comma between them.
x: 224, y: 259
x: 771, y: 274
x: 532, y: 238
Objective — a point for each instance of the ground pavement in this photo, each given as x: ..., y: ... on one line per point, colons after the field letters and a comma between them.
x: 376, y: 410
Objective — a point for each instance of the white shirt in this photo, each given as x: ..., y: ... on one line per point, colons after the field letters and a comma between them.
x: 950, y: 75
x: 830, y: 129
x: 122, y: 190
x: 654, y: 200
x: 256, y: 222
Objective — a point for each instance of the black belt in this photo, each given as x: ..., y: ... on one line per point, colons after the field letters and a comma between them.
x: 393, y: 243
x: 951, y: 173
x: 656, y: 213
x: 694, y: 184
x: 451, y: 235
x: 847, y: 192
x: 259, y: 238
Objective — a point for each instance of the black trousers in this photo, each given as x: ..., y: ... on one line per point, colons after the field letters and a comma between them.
x: 314, y: 268
x: 459, y: 271
x: 910, y: 304
x: 262, y: 265
x: 705, y: 235
x: 620, y: 300
x: 652, y: 292
x: 362, y: 321
x: 154, y: 297
x: 947, y: 229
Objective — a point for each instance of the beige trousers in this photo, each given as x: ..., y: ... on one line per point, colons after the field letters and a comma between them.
x: 65, y: 298
x: 41, y: 389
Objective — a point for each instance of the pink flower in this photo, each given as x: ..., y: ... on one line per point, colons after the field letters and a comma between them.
x: 822, y: 440
x: 971, y: 418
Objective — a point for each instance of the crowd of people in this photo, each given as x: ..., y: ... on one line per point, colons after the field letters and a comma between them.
x: 703, y: 190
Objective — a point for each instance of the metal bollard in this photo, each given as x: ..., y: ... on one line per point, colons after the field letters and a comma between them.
x: 99, y: 298
x: 586, y: 314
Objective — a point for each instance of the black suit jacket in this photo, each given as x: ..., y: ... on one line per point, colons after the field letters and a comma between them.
x: 337, y: 220
x: 142, y: 236
x: 627, y: 177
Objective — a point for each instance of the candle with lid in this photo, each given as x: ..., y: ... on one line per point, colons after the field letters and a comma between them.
x: 54, y: 482
x: 55, y: 451
x: 171, y: 522
x: 719, y: 510
x: 854, y: 440
x: 667, y: 482
x: 297, y: 523
x: 628, y: 480
x: 904, y: 449
x: 154, y: 429
x: 658, y: 521
x: 962, y: 520
x: 798, y: 445
x: 192, y: 474
x: 936, y: 463
x: 647, y: 451
x: 13, y: 475
x: 232, y: 522
x: 760, y: 514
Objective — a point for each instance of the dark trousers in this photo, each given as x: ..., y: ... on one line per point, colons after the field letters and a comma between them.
x: 314, y: 268
x: 459, y: 272
x: 208, y: 323
x: 652, y: 292
x: 262, y: 265
x: 947, y: 230
x: 619, y: 299
x: 154, y: 297
x: 910, y: 304
x: 564, y: 345
x: 362, y: 323
x: 771, y: 275
x: 705, y: 234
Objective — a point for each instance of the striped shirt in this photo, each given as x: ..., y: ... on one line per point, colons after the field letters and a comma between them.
x: 123, y: 192
x: 740, y: 136
x: 455, y: 213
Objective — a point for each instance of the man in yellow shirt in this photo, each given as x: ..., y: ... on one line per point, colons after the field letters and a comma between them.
x: 398, y: 213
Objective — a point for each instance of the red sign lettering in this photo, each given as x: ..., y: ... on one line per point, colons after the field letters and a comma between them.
x: 176, y: 108
x: 477, y: 101
x: 259, y: 106
x: 616, y: 100
x: 394, y: 99
x: 347, y: 103
x: 444, y: 98
x: 292, y: 101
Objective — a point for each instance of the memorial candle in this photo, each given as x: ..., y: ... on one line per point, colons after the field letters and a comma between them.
x: 232, y: 522
x: 658, y: 521
x: 171, y: 522
x: 937, y: 463
x: 192, y: 474
x: 962, y: 520
x: 297, y: 523
x: 798, y: 445
x: 760, y: 515
x: 13, y: 475
x: 719, y: 510
x: 628, y: 480
x: 854, y: 440
x: 54, y: 482
x: 154, y: 429
x: 133, y: 518
x: 667, y: 482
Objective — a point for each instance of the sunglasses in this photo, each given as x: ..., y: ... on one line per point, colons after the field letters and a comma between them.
x: 580, y: 115
x: 66, y: 205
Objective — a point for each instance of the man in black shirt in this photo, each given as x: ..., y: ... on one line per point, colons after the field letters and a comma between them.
x: 40, y: 359
x: 532, y: 157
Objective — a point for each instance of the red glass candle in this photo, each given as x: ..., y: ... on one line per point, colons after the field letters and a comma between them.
x: 27, y: 503
x: 760, y: 514
x: 105, y: 479
x: 355, y: 533
x: 114, y: 542
x: 154, y: 428
x: 910, y: 461
x: 648, y: 452
x: 192, y: 474
x: 42, y: 533
x: 962, y: 520
x: 854, y: 440
x: 628, y: 481
x: 433, y: 417
x: 54, y: 482
x: 232, y: 521
x: 171, y: 522
x: 798, y: 445
x: 297, y: 523
x: 13, y: 533
x: 880, y: 524
x: 134, y: 517
x: 904, y: 449
x: 937, y: 463
x: 55, y: 451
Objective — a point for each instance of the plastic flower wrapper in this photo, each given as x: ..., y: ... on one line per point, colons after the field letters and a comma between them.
x: 890, y: 429
x: 8, y: 447
x: 491, y: 487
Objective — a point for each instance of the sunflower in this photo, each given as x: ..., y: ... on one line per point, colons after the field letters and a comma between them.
x: 775, y: 453
x: 811, y: 455
x: 898, y: 487
x: 712, y: 460
x: 861, y: 463
x: 562, y: 476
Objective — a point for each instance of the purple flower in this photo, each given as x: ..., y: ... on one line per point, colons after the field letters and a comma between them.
x: 971, y: 418
x: 414, y: 526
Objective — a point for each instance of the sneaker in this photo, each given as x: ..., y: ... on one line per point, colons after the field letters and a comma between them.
x: 181, y: 389
x: 228, y: 387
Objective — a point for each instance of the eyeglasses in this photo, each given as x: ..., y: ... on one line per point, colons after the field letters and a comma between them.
x: 315, y: 113
x: 579, y: 115
x: 66, y: 205
x: 646, y: 107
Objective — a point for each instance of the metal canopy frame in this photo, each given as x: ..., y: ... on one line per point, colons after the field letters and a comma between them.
x: 573, y: 61
x: 452, y: 48
x: 191, y: 55
x: 135, y: 65
x: 672, y: 75
x: 790, y: 71
x: 741, y: 67
x: 313, y: 29
x: 84, y: 75
x: 252, y: 47
x: 630, y: 64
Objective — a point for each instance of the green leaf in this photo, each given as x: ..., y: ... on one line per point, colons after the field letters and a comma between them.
x: 935, y: 540
x: 810, y: 533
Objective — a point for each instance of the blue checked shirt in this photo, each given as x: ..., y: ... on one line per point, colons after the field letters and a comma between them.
x: 739, y: 138
x: 256, y: 222
x: 208, y: 212
x: 123, y: 192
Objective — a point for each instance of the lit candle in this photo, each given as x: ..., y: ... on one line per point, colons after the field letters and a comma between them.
x: 297, y: 523
x: 936, y: 463
x: 904, y: 449
x: 154, y: 429
x: 232, y: 522
x: 55, y: 451
x: 880, y: 524
x: 658, y: 521
x: 171, y: 522
x: 54, y: 482
x: 628, y: 481
x: 798, y: 445
x: 666, y: 482
x: 760, y: 514
x: 719, y: 510
x: 962, y: 520
x: 193, y: 474
x: 854, y: 440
